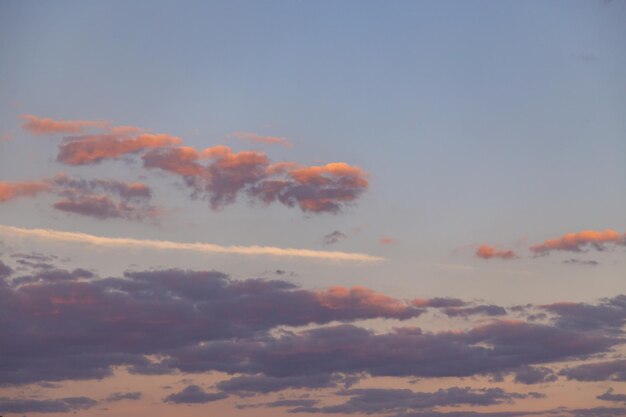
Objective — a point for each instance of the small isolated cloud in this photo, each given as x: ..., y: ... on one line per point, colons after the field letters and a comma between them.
x: 489, y: 252
x: 573, y: 261
x: 386, y: 240
x: 334, y: 237
x: 270, y: 140
x: 46, y: 126
x: 6, y: 137
x: 580, y: 241
x: 193, y: 394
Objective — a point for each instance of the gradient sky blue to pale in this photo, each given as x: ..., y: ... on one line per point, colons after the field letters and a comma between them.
x: 478, y: 122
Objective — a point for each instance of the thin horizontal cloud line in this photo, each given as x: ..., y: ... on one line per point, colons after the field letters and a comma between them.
x: 208, y: 248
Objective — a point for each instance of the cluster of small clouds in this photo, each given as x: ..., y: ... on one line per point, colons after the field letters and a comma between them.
x: 98, y: 198
x: 217, y: 173
x: 571, y: 242
x: 205, y: 321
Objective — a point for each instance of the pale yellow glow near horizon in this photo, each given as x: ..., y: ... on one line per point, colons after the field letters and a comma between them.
x: 208, y: 248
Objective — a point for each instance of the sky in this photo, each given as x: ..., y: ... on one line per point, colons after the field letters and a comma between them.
x: 344, y: 208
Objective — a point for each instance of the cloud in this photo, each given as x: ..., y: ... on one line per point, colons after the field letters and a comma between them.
x: 270, y: 140
x: 45, y: 126
x: 573, y: 261
x: 12, y: 190
x: 439, y: 302
x: 60, y: 405
x: 577, y: 242
x: 334, y: 237
x: 489, y: 252
x: 598, y: 371
x: 386, y: 240
x: 193, y: 394
x: 262, y: 384
x: 609, y: 396
x: 534, y: 375
x: 227, y: 174
x: 383, y: 401
x: 99, y: 198
x: 208, y: 248
x: 117, y: 321
x: 90, y: 149
x: 105, y: 199
x: 404, y: 351
x: 121, y: 396
x: 487, y: 310
x: 609, y: 314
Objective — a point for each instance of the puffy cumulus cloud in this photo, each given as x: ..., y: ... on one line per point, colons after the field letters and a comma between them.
x: 226, y: 174
x: 46, y: 126
x: 269, y: 140
x: 90, y: 149
x: 12, y: 190
x: 193, y: 394
x: 614, y: 370
x: 383, y: 401
x: 117, y: 321
x: 489, y: 252
x: 577, y: 242
x: 60, y: 405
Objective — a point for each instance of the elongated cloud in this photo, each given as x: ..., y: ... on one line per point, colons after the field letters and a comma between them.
x: 254, y: 137
x: 90, y: 149
x: 577, y: 242
x: 46, y: 126
x: 11, y: 190
x: 208, y: 248
x: 489, y: 252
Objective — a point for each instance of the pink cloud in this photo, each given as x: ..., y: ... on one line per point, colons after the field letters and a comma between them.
x: 46, y: 126
x: 576, y: 242
x: 489, y: 252
x: 254, y: 137
x: 90, y: 149
x: 386, y: 240
x: 12, y: 190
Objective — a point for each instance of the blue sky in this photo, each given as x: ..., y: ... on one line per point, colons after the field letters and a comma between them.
x: 476, y: 123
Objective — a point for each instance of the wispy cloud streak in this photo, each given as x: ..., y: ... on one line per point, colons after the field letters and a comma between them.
x: 208, y: 248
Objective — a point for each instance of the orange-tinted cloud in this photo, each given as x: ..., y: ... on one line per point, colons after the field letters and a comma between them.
x: 361, y: 298
x: 89, y: 149
x: 489, y: 252
x: 11, y: 190
x: 576, y: 242
x: 386, y: 240
x: 45, y: 126
x: 227, y: 174
x: 254, y: 137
